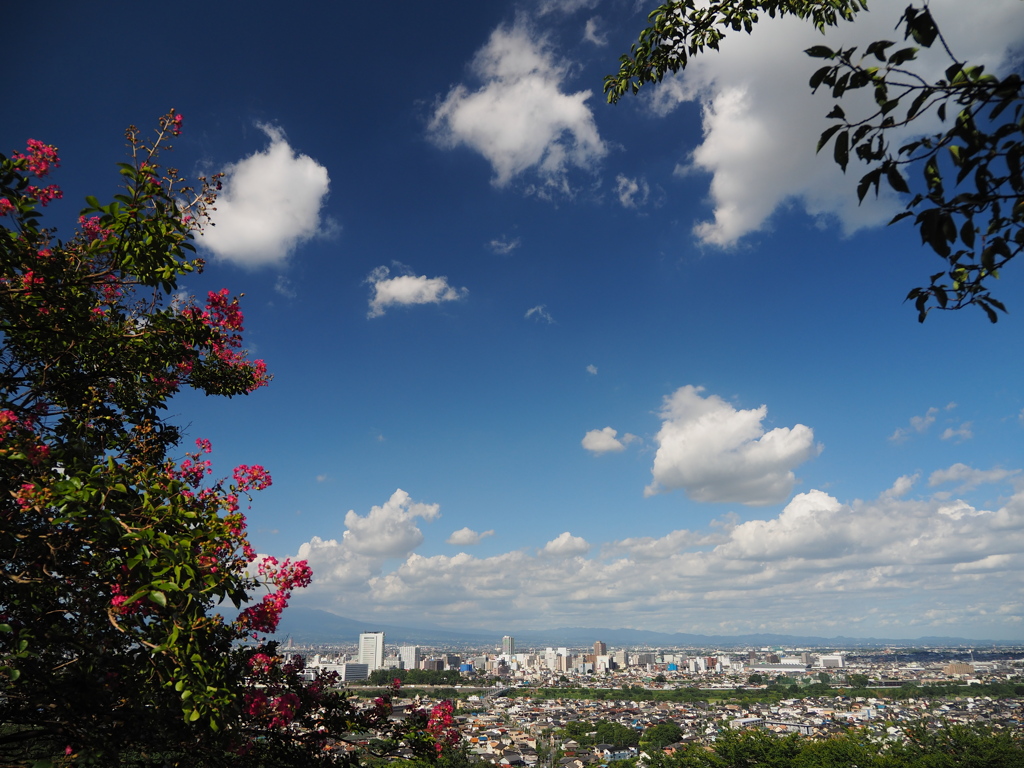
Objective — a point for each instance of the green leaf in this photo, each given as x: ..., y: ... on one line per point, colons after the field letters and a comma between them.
x: 967, y: 233
x: 158, y: 597
x: 896, y: 180
x: 820, y: 52
x: 826, y: 135
x: 902, y: 56
x: 841, y: 152
x: 878, y: 49
x: 818, y: 77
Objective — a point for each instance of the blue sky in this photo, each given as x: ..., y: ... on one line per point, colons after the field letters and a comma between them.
x: 540, y: 361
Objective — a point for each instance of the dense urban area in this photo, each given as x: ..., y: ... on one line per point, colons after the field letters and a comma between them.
x: 589, y: 707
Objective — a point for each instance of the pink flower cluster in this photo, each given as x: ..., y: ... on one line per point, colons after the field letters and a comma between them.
x: 118, y: 600
x: 8, y: 421
x: 260, y: 663
x: 441, y: 726
x: 280, y: 710
x: 194, y: 468
x: 286, y: 576
x: 252, y: 478
x: 45, y: 195
x: 225, y: 317
x: 92, y: 230
x: 6, y: 206
x: 30, y: 281
x: 39, y: 158
x: 11, y: 429
x: 172, y: 122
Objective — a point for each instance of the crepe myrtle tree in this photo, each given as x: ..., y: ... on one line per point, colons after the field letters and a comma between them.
x: 962, y: 186
x: 118, y: 558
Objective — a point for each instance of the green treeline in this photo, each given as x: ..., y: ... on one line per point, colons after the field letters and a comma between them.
x: 949, y: 747
x: 773, y: 693
x: 415, y: 677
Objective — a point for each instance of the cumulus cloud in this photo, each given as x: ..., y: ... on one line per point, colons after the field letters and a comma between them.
x: 519, y: 119
x: 467, y: 537
x: 270, y: 204
x: 389, y: 530
x: 406, y: 290
x: 592, y: 370
x: 901, y: 487
x: 762, y: 123
x: 566, y: 545
x: 717, y: 453
x: 968, y: 478
x: 632, y: 193
x: 540, y: 312
x: 599, y: 441
x: 894, y: 566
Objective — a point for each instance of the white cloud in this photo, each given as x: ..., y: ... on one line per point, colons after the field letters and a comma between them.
x: 566, y: 545
x: 920, y: 424
x: 591, y: 35
x: 467, y: 537
x: 599, y: 441
x: 762, y: 123
x: 389, y: 530
x: 967, y: 477
x: 717, y: 453
x: 284, y: 287
x: 540, y: 312
x: 961, y: 433
x: 406, y: 290
x: 270, y: 204
x: 503, y: 247
x: 901, y: 487
x: 632, y: 193
x: 564, y: 6
x: 592, y: 370
x: 519, y: 119
x: 891, y: 567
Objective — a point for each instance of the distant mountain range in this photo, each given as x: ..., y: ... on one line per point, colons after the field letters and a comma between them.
x: 309, y: 626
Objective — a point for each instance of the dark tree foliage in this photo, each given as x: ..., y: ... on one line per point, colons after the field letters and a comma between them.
x: 963, y: 186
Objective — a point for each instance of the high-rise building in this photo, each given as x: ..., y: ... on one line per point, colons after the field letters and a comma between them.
x: 600, y: 649
x: 508, y: 645
x: 410, y: 656
x: 371, y: 649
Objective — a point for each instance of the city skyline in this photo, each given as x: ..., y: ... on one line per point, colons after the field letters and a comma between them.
x: 540, y: 361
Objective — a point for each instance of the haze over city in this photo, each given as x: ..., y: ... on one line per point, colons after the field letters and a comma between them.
x: 544, y: 362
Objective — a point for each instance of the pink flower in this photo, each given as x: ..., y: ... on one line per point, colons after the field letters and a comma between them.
x: 6, y: 206
x: 45, y: 195
x: 40, y: 157
x: 252, y: 477
x: 92, y: 230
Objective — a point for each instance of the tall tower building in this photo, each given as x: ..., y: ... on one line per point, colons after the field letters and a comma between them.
x: 508, y: 645
x: 410, y: 656
x: 371, y: 649
x: 600, y: 649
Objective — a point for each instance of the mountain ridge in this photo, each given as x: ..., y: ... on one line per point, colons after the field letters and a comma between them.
x: 316, y: 626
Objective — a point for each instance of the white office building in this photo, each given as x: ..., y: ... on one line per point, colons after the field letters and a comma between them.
x: 371, y: 649
x: 410, y: 656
